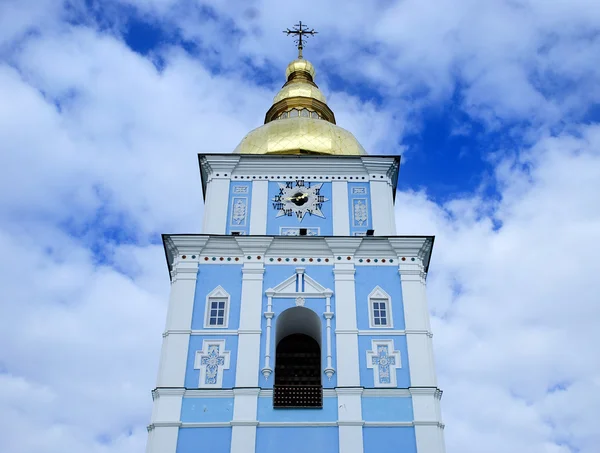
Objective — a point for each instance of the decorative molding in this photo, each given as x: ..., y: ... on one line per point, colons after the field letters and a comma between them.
x: 209, y: 393
x: 253, y: 245
x: 281, y: 424
x: 384, y: 360
x: 349, y: 390
x: 388, y: 424
x: 167, y: 391
x: 210, y: 249
x: 386, y: 393
x: 212, y: 360
x: 153, y: 426
x: 253, y: 391
x: 285, y: 424
x: 267, y: 370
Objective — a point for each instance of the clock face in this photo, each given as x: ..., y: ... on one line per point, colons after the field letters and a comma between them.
x: 299, y: 198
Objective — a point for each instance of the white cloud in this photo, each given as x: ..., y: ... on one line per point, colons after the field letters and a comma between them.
x: 515, y: 309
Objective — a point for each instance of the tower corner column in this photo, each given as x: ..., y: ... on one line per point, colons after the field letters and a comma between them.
x: 163, y: 430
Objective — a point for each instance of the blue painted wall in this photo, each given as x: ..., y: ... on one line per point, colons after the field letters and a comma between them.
x: 366, y: 374
x: 387, y: 277
x: 387, y: 409
x: 275, y: 274
x: 297, y: 439
x: 266, y: 413
x: 275, y: 223
x: 392, y: 439
x: 213, y: 440
x: 203, y: 410
x: 359, y: 193
x: 241, y: 191
x: 192, y: 376
x: 229, y: 276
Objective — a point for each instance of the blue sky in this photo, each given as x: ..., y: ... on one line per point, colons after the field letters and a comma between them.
x: 493, y: 106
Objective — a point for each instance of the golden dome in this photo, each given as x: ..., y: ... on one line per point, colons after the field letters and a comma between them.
x: 299, y: 121
x: 300, y: 65
x: 299, y: 89
x: 300, y: 135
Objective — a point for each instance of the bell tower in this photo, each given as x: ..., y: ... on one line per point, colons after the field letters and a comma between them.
x: 298, y: 319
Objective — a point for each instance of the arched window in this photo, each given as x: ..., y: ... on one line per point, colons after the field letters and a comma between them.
x: 298, y: 359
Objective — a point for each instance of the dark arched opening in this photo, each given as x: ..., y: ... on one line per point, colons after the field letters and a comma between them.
x: 298, y: 372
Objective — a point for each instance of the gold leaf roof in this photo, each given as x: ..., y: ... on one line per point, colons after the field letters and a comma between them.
x: 299, y: 89
x: 300, y: 135
x: 311, y: 128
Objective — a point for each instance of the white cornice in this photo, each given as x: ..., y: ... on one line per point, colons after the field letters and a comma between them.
x: 253, y: 245
x: 297, y: 166
x: 198, y: 247
x: 208, y: 393
x: 343, y: 245
x: 317, y: 168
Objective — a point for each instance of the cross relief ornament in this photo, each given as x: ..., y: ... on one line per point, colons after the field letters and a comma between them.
x: 212, y: 361
x: 384, y: 361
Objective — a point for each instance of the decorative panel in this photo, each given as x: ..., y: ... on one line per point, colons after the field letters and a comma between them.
x: 238, y: 212
x: 359, y: 199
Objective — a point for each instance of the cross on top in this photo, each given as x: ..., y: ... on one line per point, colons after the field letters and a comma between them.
x: 301, y: 33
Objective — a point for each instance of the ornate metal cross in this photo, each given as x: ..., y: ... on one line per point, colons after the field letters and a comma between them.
x: 301, y: 33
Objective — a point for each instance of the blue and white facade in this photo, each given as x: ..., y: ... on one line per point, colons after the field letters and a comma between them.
x: 297, y: 245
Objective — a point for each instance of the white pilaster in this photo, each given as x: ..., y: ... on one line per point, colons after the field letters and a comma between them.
x: 346, y: 328
x: 341, y: 215
x: 171, y: 370
x: 243, y: 436
x: 166, y: 412
x: 248, y: 358
x: 350, y: 420
x: 416, y: 317
x: 215, y: 206
x: 162, y: 439
x: 429, y: 430
x: 346, y: 333
x: 381, y: 200
x: 259, y: 207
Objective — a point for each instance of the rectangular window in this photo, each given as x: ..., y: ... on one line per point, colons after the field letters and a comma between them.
x: 380, y: 316
x: 216, y: 316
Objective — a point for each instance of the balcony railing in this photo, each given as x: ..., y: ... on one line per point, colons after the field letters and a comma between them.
x: 309, y: 396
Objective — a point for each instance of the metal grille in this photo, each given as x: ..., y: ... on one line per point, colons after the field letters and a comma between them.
x: 297, y: 396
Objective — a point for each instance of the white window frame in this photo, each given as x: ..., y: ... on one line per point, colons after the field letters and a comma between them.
x: 379, y: 295
x: 217, y: 295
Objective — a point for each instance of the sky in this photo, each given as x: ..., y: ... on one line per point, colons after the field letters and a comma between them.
x: 494, y: 106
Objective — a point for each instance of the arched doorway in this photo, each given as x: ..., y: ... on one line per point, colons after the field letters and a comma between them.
x: 298, y: 360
